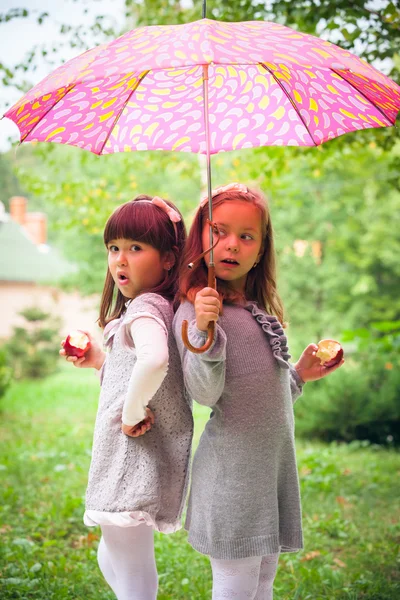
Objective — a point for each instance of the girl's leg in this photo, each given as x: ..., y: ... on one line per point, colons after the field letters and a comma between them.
x: 236, y: 579
x: 130, y: 552
x: 103, y: 558
x: 269, y: 565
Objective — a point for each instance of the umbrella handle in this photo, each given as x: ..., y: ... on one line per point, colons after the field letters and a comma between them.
x: 210, y: 327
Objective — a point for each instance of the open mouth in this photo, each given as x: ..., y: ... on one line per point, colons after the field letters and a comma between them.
x: 122, y: 278
x: 230, y: 261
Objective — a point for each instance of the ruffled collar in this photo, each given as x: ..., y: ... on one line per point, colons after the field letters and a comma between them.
x: 274, y: 331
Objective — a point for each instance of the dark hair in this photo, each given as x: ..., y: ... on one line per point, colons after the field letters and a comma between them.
x: 143, y: 222
x: 261, y: 280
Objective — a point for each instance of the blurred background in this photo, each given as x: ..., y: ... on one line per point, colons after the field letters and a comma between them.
x: 334, y: 210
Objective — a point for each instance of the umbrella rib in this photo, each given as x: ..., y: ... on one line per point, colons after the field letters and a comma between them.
x: 140, y: 79
x: 290, y: 100
x: 47, y: 111
x: 364, y: 96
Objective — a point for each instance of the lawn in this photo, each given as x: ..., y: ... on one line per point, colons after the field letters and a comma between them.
x: 351, y: 506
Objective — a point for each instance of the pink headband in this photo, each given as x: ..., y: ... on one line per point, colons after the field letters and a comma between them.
x: 239, y: 187
x: 171, y: 212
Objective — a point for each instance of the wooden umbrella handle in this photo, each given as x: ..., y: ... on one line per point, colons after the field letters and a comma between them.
x: 210, y: 327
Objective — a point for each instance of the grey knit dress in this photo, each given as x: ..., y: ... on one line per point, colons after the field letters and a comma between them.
x: 244, y: 499
x: 144, y: 479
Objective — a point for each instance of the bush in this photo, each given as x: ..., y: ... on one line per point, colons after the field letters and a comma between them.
x: 33, y: 350
x: 5, y: 373
x: 359, y: 402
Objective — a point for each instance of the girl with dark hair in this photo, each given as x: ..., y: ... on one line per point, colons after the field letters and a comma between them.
x: 244, y: 504
x: 141, y: 448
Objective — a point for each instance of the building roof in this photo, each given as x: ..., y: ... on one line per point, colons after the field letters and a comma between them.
x: 22, y: 260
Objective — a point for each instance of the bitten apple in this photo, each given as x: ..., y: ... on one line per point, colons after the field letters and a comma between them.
x: 76, y: 344
x: 329, y: 352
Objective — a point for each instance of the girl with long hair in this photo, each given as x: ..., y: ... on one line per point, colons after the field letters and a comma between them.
x: 143, y: 431
x: 244, y: 504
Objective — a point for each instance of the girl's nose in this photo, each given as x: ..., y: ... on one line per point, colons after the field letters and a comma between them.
x: 232, y: 243
x: 121, y: 259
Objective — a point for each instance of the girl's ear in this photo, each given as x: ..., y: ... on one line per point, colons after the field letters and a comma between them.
x: 169, y: 260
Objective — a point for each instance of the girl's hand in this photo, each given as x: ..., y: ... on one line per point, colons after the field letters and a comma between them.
x: 94, y: 357
x: 139, y: 428
x: 207, y: 307
x: 309, y: 366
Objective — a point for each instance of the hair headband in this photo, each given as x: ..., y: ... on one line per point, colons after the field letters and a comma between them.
x: 239, y: 187
x: 174, y: 216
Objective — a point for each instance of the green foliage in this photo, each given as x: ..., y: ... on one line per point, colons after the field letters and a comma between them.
x: 71, y: 36
x: 357, y: 26
x: 32, y: 350
x: 351, y: 510
x: 383, y: 337
x: 5, y: 373
x: 342, y: 197
x: 10, y: 184
x: 362, y: 403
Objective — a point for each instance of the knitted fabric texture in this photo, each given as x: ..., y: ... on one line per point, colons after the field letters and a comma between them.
x: 244, y: 498
x: 146, y: 476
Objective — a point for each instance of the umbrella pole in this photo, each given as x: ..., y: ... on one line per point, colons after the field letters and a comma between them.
x: 211, y: 266
x: 208, y: 158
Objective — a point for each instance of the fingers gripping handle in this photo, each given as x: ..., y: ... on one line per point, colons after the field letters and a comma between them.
x: 211, y: 325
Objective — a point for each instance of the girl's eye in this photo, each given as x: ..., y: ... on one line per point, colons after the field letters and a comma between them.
x: 247, y: 236
x: 221, y: 231
x: 113, y: 248
x: 135, y: 248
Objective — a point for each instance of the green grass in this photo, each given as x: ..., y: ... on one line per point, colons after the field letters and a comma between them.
x: 350, y: 501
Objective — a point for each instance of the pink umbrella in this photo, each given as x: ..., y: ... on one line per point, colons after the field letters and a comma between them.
x: 207, y: 87
x: 268, y: 85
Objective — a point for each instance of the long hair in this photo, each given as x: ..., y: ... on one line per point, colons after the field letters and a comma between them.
x: 260, y: 285
x: 143, y: 222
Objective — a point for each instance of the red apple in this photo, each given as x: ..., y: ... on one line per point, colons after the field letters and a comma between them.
x: 77, y: 343
x: 329, y: 352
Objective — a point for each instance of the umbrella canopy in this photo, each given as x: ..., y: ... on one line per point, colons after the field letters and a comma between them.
x: 268, y: 85
x: 207, y: 87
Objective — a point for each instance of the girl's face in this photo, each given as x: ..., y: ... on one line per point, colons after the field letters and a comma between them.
x: 240, y: 242
x: 135, y: 266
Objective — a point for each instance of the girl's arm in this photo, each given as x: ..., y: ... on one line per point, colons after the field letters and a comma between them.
x: 150, y: 341
x: 296, y: 383
x: 204, y: 374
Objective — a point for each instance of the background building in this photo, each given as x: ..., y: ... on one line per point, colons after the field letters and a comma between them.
x: 31, y: 273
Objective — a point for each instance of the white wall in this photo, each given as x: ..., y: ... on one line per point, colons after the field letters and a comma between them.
x: 75, y: 312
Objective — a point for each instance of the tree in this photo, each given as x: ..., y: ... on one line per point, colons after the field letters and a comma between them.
x: 359, y: 26
x: 76, y: 36
x: 32, y: 351
x: 10, y: 184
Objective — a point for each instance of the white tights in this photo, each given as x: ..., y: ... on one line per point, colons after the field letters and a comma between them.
x: 126, y: 559
x: 246, y: 579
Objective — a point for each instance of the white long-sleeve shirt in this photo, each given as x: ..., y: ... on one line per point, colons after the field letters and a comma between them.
x: 151, y: 346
